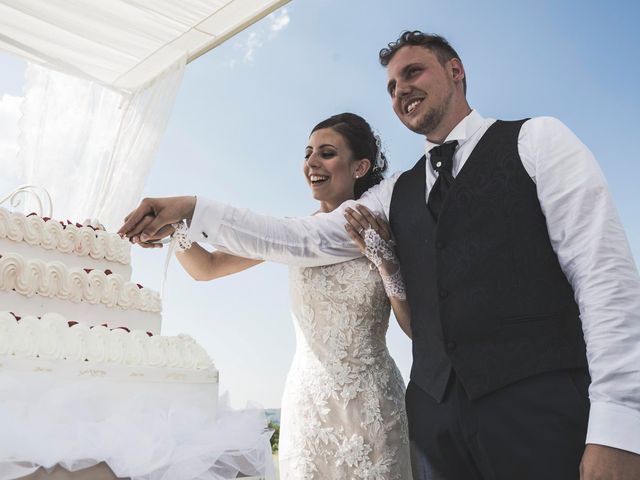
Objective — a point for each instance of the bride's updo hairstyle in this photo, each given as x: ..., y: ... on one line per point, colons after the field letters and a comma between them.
x: 363, y: 143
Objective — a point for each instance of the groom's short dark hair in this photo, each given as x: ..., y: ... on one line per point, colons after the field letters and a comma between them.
x: 436, y: 43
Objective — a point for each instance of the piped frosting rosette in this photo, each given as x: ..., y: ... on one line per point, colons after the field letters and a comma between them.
x: 29, y: 277
x: 81, y: 240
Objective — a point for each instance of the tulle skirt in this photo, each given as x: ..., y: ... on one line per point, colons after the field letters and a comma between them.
x: 146, y: 431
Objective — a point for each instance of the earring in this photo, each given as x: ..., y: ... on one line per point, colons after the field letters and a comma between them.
x: 357, y: 176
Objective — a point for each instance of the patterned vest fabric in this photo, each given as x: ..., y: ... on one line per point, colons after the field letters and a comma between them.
x: 488, y: 297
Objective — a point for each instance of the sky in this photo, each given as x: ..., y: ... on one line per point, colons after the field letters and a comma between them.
x: 244, y: 112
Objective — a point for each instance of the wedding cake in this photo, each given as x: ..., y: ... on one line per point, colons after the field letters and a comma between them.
x: 85, y: 376
x: 66, y: 297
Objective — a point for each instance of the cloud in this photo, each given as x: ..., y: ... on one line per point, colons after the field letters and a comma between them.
x: 276, y: 22
x: 254, y: 42
x: 9, y: 117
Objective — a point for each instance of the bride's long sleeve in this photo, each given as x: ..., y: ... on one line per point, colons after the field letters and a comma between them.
x: 304, y: 241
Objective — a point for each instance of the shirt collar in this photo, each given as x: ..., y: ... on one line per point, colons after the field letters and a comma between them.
x: 463, y: 131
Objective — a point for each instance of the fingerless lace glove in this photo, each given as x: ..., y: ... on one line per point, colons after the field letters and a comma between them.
x: 378, y: 251
x: 180, y: 238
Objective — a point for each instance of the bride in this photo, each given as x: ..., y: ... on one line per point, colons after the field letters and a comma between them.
x: 343, y: 413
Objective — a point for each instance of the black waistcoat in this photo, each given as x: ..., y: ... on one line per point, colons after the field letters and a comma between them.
x: 487, y: 295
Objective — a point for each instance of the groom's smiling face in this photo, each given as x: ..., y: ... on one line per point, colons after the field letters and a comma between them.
x: 421, y: 88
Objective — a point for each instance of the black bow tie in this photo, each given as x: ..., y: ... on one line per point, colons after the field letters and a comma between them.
x: 441, y: 158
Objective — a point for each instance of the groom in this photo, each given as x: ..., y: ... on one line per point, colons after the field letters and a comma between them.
x: 513, y: 256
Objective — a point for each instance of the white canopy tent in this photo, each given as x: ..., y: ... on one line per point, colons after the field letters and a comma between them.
x: 122, y: 44
x: 100, y: 84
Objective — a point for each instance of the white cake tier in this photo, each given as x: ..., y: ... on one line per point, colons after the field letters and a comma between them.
x: 69, y: 259
x: 49, y: 234
x: 33, y: 287
x: 51, y: 343
x: 30, y: 276
x: 84, y: 313
x: 64, y: 369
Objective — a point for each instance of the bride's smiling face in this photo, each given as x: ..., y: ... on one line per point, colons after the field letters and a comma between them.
x: 329, y: 168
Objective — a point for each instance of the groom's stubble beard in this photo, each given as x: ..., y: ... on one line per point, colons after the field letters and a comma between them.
x: 433, y: 118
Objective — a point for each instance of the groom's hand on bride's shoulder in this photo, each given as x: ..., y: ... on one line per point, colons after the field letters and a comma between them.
x: 607, y: 463
x: 152, y: 219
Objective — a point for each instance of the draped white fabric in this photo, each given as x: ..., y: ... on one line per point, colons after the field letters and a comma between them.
x: 9, y: 114
x: 142, y: 431
x: 89, y: 146
x: 90, y: 132
x: 121, y: 43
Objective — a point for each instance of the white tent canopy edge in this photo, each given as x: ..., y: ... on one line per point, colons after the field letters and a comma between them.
x: 122, y: 44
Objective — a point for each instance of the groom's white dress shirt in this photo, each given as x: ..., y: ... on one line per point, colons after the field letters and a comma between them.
x: 584, y: 229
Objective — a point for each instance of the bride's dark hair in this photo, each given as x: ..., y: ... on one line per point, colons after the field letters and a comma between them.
x: 362, y: 141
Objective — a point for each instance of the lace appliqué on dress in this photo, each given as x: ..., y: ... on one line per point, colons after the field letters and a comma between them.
x: 343, y: 413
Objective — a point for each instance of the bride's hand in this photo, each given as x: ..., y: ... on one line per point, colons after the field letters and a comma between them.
x: 373, y: 236
x: 361, y: 219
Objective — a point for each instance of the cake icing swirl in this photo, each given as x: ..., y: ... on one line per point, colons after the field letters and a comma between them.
x: 69, y: 238
x: 52, y: 337
x: 29, y: 277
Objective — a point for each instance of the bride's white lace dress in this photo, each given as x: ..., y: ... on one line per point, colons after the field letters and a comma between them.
x: 343, y: 414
